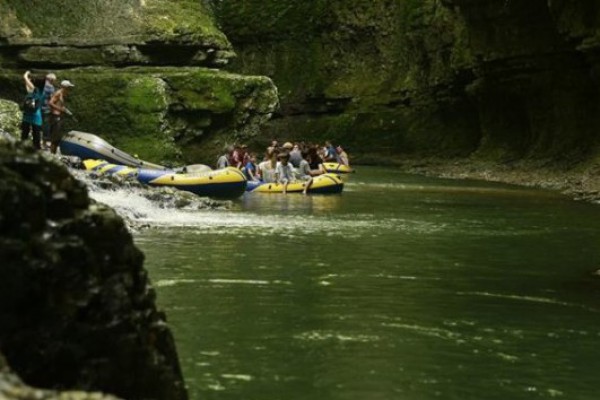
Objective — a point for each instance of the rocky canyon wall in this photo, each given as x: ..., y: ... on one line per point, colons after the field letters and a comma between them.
x: 501, y: 79
x: 147, y: 73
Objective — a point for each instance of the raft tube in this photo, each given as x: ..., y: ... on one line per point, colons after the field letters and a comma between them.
x: 88, y: 146
x: 322, y: 184
x: 336, y: 168
x: 223, y: 183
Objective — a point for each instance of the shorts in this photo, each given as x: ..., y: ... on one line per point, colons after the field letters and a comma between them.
x: 56, y: 128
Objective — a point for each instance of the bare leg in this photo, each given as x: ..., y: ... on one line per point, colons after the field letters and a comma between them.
x: 307, y: 186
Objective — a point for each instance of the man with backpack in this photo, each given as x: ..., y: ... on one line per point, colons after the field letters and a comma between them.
x: 32, y: 109
x: 58, y: 108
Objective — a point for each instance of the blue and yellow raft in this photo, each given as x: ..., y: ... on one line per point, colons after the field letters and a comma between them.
x: 223, y: 183
x: 322, y: 184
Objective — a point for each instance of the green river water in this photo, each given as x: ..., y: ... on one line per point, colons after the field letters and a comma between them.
x: 403, y: 287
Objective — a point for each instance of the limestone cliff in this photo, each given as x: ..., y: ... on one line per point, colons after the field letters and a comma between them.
x: 76, y: 308
x: 500, y: 79
x: 146, y: 73
x: 110, y: 32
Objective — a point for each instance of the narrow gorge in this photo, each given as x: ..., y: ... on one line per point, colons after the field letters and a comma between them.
x: 498, y: 90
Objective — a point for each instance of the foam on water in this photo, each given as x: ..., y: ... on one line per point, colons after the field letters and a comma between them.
x: 134, y: 206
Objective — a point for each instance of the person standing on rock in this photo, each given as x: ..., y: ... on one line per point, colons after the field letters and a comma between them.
x: 32, y: 109
x: 58, y: 109
x: 49, y: 90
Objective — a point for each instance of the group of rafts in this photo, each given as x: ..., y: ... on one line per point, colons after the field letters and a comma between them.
x: 101, y: 157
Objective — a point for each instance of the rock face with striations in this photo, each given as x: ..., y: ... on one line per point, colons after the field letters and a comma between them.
x: 146, y: 73
x: 76, y: 308
x: 501, y: 79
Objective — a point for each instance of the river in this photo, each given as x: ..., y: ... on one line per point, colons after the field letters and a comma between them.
x: 403, y: 287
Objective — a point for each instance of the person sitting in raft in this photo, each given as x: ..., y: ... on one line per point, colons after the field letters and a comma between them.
x: 315, y: 162
x: 330, y: 154
x: 237, y: 157
x: 266, y: 169
x: 342, y: 156
x: 284, y: 172
x: 303, y: 172
x: 296, y: 155
x: 223, y: 161
x: 250, y: 168
x: 245, y: 154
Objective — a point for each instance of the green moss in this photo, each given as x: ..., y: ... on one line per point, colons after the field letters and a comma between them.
x: 10, y: 117
x: 365, y: 73
x: 182, y: 18
x: 257, y: 20
x: 120, y: 21
x: 164, y: 115
x: 145, y: 95
x: 199, y: 93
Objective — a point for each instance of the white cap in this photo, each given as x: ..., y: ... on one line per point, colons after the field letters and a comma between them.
x: 66, y: 84
x: 51, y: 77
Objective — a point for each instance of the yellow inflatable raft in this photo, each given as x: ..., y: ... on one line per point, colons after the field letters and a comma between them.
x: 322, y: 184
x: 336, y: 168
x: 226, y: 182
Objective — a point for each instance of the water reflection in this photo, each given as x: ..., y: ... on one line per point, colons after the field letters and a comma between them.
x: 292, y: 203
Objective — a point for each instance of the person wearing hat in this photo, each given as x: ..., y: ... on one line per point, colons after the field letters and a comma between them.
x: 58, y: 108
x: 49, y: 90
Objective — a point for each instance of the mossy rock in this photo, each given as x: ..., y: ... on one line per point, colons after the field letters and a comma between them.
x: 164, y: 115
x: 116, y: 21
x: 111, y: 32
x: 10, y: 117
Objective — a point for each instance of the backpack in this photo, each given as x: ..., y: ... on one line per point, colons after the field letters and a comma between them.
x: 30, y: 103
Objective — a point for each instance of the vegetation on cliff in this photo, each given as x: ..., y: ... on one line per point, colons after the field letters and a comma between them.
x: 122, y: 32
x: 166, y: 115
x: 144, y: 72
x: 497, y: 79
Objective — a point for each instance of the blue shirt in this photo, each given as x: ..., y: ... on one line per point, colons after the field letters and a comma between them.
x: 250, y: 167
x: 48, y: 92
x: 35, y: 118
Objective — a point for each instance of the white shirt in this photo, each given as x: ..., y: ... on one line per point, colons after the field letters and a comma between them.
x: 284, y: 173
x: 303, y: 170
x: 267, y: 173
